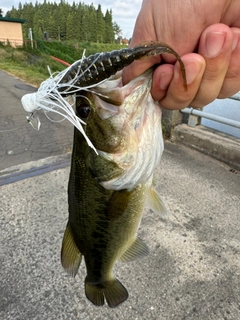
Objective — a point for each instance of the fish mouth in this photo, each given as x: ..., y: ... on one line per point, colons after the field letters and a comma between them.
x: 137, y: 120
x: 110, y: 95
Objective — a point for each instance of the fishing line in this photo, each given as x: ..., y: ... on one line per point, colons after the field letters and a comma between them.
x: 49, y: 98
x: 58, y: 93
x: 9, y: 130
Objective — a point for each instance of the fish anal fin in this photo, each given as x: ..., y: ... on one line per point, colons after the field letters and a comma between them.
x: 156, y: 203
x: 136, y: 251
x: 70, y: 254
x: 113, y: 291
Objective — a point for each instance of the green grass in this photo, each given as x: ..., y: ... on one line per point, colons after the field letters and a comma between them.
x: 30, y: 65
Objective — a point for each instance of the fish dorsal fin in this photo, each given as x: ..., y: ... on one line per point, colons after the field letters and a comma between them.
x: 70, y: 254
x: 156, y: 203
x: 136, y: 251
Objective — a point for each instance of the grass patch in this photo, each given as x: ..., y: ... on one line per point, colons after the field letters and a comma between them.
x: 30, y: 65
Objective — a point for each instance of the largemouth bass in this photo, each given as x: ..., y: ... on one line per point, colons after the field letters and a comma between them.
x: 113, y: 160
x: 108, y: 190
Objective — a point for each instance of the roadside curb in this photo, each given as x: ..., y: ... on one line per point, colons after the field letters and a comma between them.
x: 218, y: 145
x: 34, y: 168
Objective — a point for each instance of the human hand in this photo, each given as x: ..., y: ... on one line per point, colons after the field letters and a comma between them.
x: 206, y: 35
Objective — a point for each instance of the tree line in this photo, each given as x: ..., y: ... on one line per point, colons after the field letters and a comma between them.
x: 66, y: 22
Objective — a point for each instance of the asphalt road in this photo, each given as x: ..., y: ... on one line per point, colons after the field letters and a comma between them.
x: 19, y: 142
x: 193, y: 271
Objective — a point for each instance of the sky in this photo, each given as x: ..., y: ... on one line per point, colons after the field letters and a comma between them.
x: 124, y: 11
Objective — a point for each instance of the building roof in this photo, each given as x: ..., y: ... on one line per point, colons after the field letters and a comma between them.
x: 12, y: 20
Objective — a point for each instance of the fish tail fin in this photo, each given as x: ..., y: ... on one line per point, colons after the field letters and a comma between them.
x: 113, y: 291
x: 94, y: 294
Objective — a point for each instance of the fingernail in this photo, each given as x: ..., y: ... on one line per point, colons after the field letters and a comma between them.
x: 235, y: 42
x: 214, y: 43
x: 164, y: 80
x: 192, y: 70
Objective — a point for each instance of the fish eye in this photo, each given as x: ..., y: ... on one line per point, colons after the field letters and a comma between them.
x: 83, y: 110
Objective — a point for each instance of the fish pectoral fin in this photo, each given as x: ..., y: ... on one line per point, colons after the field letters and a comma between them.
x: 156, y: 203
x: 70, y: 254
x: 136, y: 251
x: 118, y: 203
x: 113, y: 291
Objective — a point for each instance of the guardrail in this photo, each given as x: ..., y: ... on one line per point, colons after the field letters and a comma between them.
x: 195, y: 115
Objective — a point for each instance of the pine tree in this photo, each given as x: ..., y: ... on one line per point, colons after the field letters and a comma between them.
x: 28, y: 14
x: 62, y: 21
x: 116, y: 29
x: 85, y: 33
x: 100, y: 25
x: 92, y: 26
x: 109, y: 33
x: 70, y: 27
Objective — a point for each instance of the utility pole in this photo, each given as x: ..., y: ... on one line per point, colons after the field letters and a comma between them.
x: 30, y: 36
